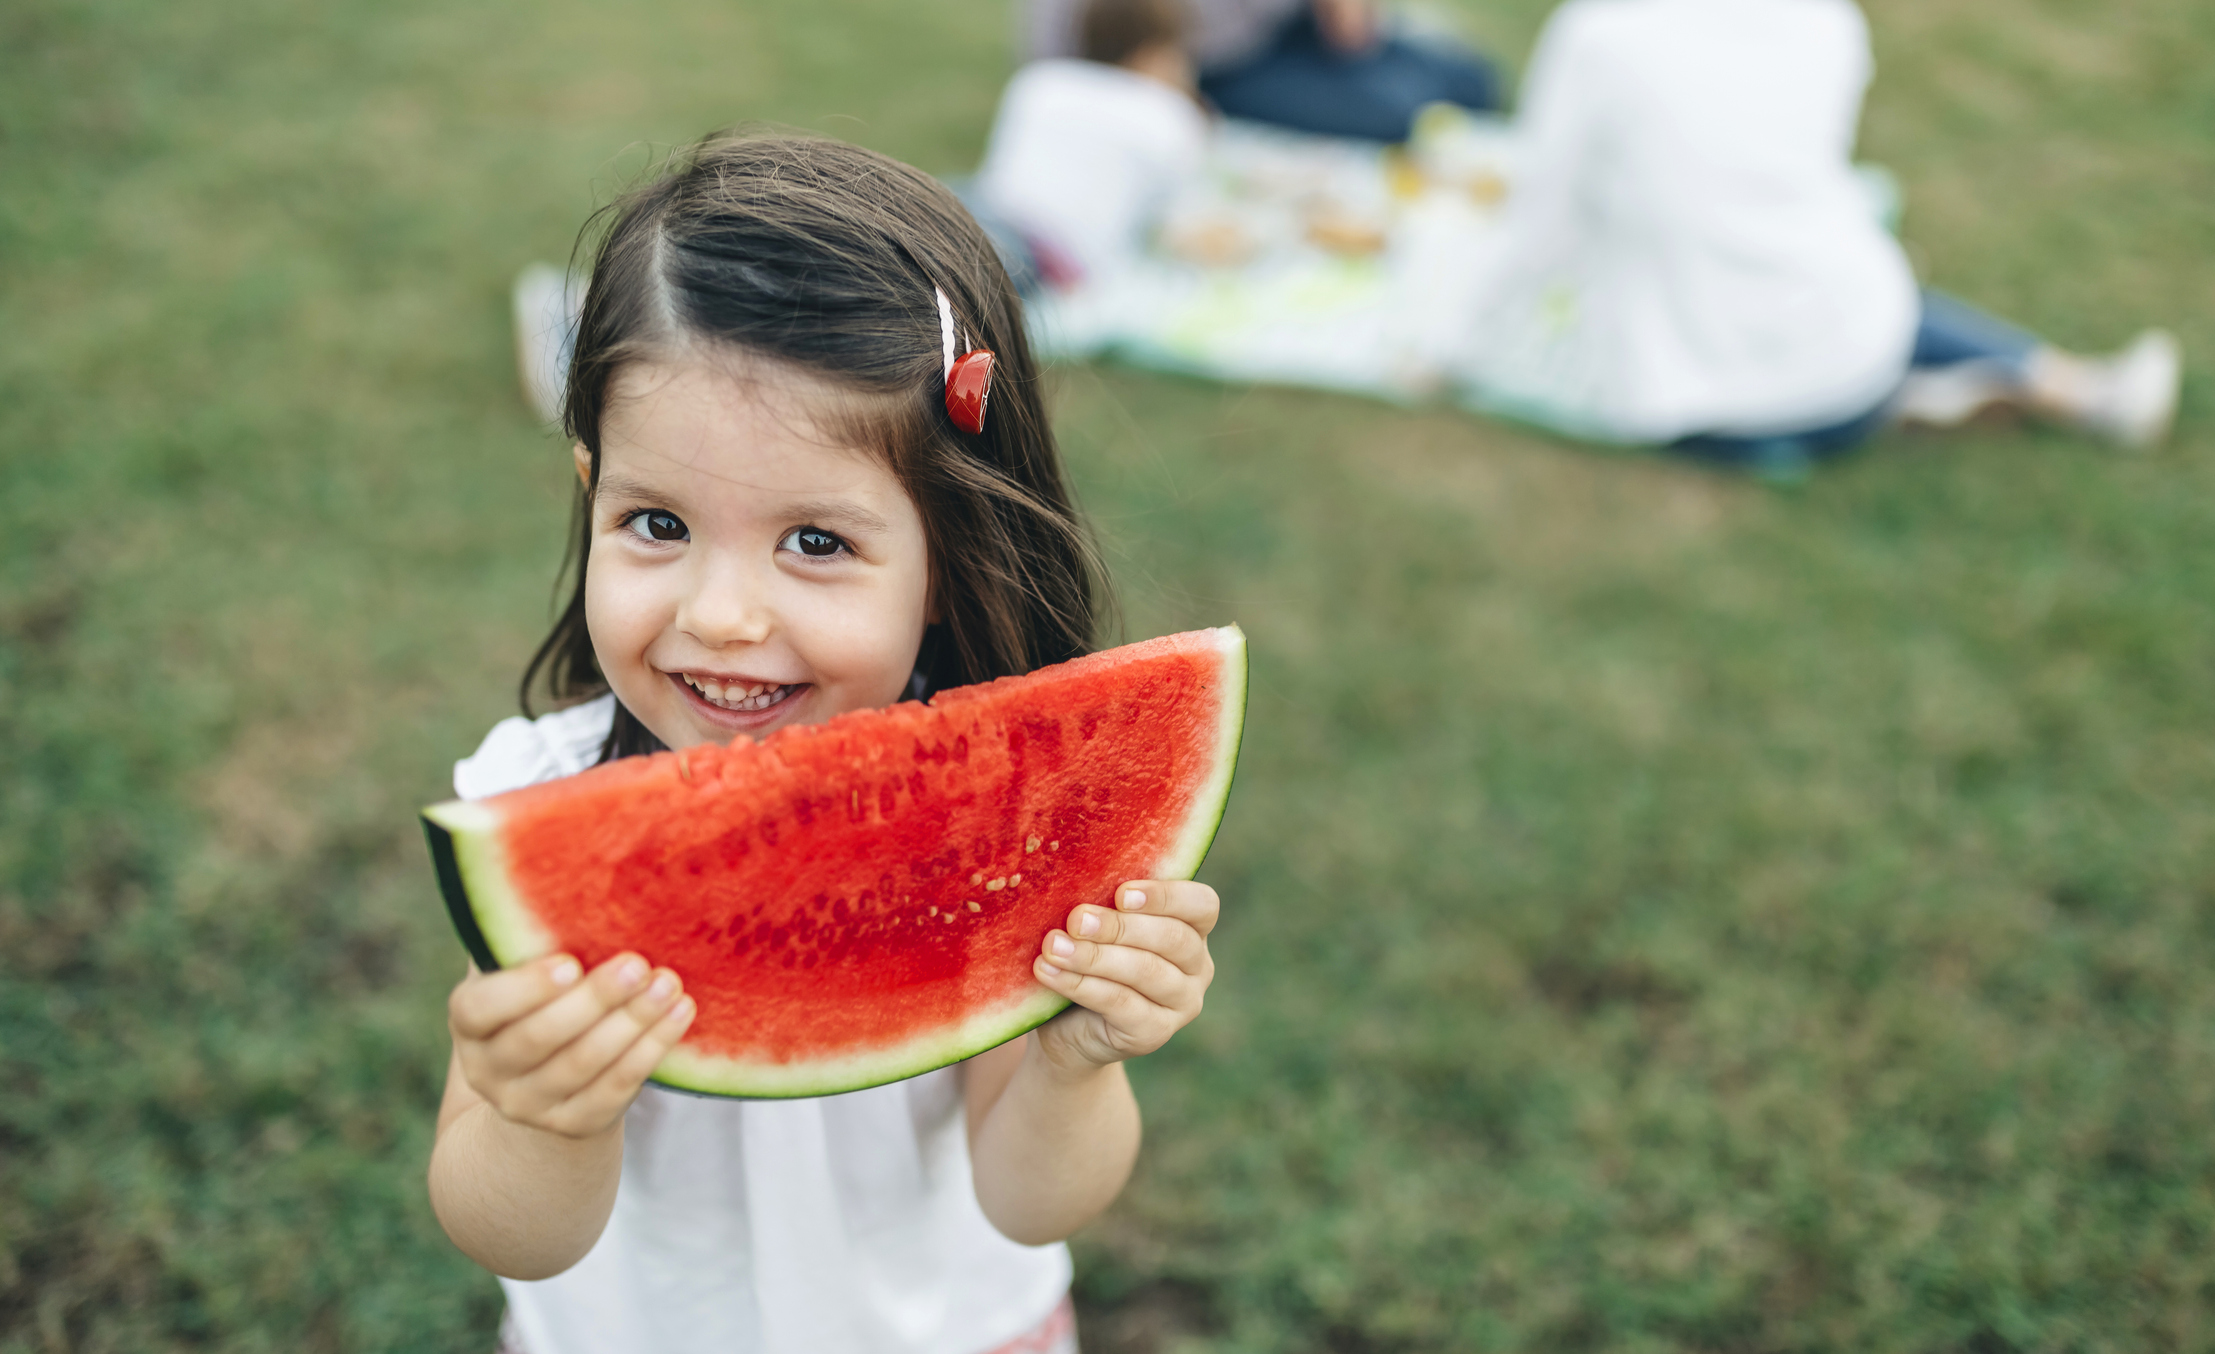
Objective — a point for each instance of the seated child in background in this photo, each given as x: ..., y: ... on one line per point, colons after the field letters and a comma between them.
x: 1085, y: 153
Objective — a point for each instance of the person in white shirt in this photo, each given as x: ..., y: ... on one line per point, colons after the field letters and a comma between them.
x: 1690, y: 258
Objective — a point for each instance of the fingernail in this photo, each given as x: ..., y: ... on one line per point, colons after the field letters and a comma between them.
x: 1048, y: 969
x: 687, y: 1009
x: 1062, y: 947
x: 632, y: 973
x: 567, y: 972
x: 1088, y: 923
x: 1133, y: 898
x: 664, y: 987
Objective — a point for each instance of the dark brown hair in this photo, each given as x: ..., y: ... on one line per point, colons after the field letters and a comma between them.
x: 818, y: 259
x: 1111, y: 30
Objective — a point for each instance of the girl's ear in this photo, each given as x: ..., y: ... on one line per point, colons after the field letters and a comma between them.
x: 584, y: 464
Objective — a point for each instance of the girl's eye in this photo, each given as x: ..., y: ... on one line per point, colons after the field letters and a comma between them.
x: 657, y: 526
x: 813, y: 542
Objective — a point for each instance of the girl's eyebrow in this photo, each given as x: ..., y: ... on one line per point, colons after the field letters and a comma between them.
x: 617, y: 486
x: 850, y: 518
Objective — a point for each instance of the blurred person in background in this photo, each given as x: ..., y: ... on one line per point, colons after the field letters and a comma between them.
x: 1691, y: 258
x: 1330, y: 67
x: 1085, y: 152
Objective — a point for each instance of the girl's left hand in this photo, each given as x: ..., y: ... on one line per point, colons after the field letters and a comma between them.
x: 1136, y: 971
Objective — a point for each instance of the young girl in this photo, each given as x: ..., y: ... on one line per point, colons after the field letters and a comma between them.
x: 780, y: 521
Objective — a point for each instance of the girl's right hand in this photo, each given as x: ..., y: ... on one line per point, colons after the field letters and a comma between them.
x: 549, y: 1051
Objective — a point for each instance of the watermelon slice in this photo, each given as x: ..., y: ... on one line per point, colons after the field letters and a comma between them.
x: 859, y: 901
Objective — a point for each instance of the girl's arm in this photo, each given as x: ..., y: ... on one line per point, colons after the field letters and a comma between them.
x: 530, y: 1133
x: 1053, y: 1127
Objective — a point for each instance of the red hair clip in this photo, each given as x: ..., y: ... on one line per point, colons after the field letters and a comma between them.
x: 968, y: 377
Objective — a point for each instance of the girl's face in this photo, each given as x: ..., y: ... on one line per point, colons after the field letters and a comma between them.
x: 746, y: 572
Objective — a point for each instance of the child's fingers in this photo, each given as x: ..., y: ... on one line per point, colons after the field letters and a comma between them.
x: 1135, y: 1026
x: 598, y: 1104
x: 524, y: 1044
x: 579, y: 1063
x: 1142, y: 971
x: 484, y: 1002
x: 1188, y: 900
x: 1172, y: 939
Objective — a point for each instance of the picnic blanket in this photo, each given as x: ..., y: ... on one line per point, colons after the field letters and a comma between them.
x: 1352, y: 267
x: 1361, y: 274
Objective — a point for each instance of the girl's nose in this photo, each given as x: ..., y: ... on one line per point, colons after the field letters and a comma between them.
x: 726, y: 605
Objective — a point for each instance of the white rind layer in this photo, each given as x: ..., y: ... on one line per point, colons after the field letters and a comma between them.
x: 509, y: 929
x: 688, y: 1071
x: 1182, y: 860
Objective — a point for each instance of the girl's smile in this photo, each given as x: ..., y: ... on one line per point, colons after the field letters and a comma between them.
x: 747, y: 571
x: 737, y: 703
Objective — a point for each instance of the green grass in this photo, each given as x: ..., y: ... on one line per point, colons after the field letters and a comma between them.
x: 1662, y: 912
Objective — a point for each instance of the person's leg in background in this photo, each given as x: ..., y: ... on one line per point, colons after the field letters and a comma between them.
x: 1784, y: 456
x: 1967, y: 361
x: 1300, y: 80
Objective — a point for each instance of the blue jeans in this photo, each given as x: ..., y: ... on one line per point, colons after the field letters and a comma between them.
x: 1300, y: 81
x: 1950, y: 332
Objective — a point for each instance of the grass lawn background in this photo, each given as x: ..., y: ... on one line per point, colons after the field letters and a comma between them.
x: 1663, y: 912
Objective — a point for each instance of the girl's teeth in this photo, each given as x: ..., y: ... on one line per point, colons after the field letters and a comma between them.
x: 753, y: 696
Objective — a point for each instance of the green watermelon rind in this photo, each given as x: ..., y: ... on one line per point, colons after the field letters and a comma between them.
x: 492, y: 920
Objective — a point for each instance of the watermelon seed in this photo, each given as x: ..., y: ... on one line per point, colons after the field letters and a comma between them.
x: 1014, y: 879
x: 1031, y: 845
x: 934, y: 909
x: 949, y: 914
x: 976, y: 907
x: 996, y: 885
x: 977, y: 878
x: 684, y: 764
x: 1053, y: 846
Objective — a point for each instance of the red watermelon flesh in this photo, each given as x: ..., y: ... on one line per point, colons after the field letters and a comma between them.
x: 858, y: 901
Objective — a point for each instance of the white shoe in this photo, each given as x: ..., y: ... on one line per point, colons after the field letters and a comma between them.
x: 2138, y: 399
x: 544, y: 316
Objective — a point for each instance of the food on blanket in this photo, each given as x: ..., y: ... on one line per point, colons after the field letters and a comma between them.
x: 1210, y: 241
x: 1403, y: 178
x: 1462, y: 152
x: 1342, y: 232
x: 858, y: 901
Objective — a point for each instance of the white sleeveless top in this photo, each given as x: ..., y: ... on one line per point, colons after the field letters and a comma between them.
x: 839, y: 1225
